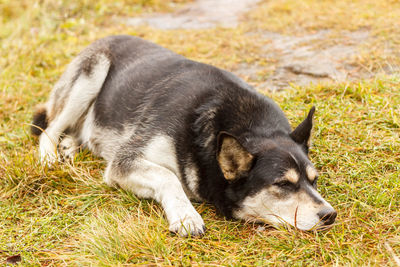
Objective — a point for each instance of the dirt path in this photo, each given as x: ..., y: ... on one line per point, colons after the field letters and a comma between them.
x: 300, y: 60
x: 311, y: 58
x: 201, y: 14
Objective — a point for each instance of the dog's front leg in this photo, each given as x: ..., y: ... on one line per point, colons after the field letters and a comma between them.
x: 150, y: 180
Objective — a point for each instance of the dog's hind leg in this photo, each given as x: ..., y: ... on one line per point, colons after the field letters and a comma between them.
x: 68, y: 147
x: 90, y: 74
x: 150, y: 180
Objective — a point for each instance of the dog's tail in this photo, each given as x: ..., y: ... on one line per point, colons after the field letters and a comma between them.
x: 40, y: 120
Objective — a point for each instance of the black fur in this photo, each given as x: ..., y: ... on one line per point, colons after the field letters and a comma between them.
x: 162, y: 92
x: 39, y: 122
x: 301, y: 134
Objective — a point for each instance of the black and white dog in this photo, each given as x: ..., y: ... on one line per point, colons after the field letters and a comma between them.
x: 173, y: 129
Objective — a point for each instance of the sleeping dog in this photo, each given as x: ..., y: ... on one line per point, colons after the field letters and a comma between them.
x: 173, y: 129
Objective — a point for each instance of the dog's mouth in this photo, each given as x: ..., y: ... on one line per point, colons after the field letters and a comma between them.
x: 320, y: 226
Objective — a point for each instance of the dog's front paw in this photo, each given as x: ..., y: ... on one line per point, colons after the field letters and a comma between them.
x: 189, y: 225
x: 48, y: 150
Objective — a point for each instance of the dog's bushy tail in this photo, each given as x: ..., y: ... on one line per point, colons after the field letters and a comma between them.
x: 39, y: 122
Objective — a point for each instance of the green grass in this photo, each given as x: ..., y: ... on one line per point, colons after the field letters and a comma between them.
x: 68, y: 216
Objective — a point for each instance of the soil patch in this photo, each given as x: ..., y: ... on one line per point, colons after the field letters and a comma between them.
x: 311, y: 58
x: 201, y: 14
x: 301, y: 60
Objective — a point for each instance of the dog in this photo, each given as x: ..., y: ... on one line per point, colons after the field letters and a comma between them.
x: 173, y: 129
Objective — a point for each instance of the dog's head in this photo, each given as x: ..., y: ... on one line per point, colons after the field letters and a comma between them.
x: 272, y: 179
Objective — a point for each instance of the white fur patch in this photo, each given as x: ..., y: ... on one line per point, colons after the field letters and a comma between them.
x: 103, y: 142
x: 161, y: 151
x: 299, y: 209
x: 88, y: 129
x: 48, y: 148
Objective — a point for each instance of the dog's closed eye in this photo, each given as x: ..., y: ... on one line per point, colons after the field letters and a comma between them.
x: 283, y: 183
x: 286, y: 185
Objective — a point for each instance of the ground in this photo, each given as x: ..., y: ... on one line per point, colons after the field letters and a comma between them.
x: 348, y: 49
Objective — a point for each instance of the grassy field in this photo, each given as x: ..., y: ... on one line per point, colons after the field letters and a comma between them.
x: 68, y: 216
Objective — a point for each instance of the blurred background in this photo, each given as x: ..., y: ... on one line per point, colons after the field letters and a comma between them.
x: 268, y: 43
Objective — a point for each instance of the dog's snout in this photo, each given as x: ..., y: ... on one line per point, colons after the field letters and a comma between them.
x: 327, y: 216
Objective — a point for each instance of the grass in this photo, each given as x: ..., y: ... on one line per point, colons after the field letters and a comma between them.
x: 67, y: 216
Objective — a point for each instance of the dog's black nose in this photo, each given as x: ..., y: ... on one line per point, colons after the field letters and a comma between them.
x: 327, y: 216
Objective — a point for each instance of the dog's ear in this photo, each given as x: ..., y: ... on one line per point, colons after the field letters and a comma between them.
x: 234, y: 160
x: 301, y: 134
